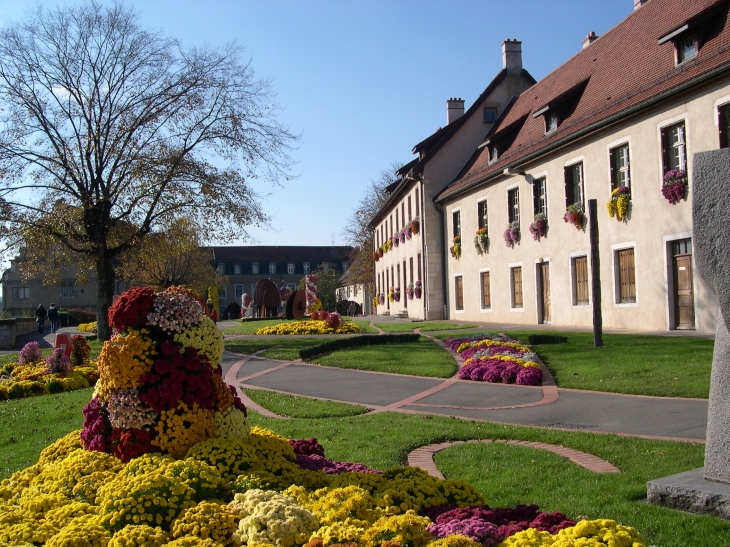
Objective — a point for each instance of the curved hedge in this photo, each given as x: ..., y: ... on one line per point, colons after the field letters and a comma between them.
x: 355, y: 342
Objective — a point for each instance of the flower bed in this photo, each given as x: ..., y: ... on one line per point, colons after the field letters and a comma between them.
x: 33, y: 375
x: 496, y: 359
x: 309, y: 327
x: 264, y: 490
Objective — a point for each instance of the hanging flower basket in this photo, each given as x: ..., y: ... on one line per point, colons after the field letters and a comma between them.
x: 675, y: 186
x: 415, y: 225
x: 381, y: 298
x: 456, y: 247
x: 406, y: 231
x: 402, y: 236
x: 539, y: 226
x: 575, y: 215
x: 394, y: 239
x: 618, y: 205
x: 481, y: 241
x: 396, y: 294
x: 512, y: 234
x: 376, y: 256
x: 418, y: 290
x: 380, y: 252
x: 410, y: 291
x: 388, y: 244
x: 391, y: 295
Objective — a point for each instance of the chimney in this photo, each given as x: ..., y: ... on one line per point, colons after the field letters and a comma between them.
x: 639, y: 3
x: 588, y: 40
x: 454, y: 110
x: 512, y: 55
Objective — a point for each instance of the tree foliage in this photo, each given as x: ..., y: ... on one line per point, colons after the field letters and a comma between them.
x: 357, y: 233
x: 173, y: 256
x: 108, y: 131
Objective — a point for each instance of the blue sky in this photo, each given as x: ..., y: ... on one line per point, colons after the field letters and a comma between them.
x: 363, y: 81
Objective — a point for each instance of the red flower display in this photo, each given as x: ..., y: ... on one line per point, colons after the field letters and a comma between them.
x: 131, y: 308
x: 132, y: 443
x: 178, y: 376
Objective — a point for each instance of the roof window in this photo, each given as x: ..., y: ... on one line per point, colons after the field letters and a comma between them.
x: 561, y: 107
x: 690, y: 35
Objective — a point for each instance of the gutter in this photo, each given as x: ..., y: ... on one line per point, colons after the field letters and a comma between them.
x: 602, y: 124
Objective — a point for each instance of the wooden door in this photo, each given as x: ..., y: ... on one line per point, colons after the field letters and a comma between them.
x: 684, y: 302
x: 545, y: 292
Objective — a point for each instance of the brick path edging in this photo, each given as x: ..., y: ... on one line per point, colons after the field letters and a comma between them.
x: 423, y: 457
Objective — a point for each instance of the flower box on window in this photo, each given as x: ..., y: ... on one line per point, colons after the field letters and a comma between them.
x: 618, y: 205
x: 481, y: 241
x: 675, y: 186
x: 539, y: 226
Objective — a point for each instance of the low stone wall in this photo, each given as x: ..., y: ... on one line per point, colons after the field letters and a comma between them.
x: 10, y: 329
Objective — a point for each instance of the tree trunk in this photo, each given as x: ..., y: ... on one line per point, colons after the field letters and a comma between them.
x: 105, y: 294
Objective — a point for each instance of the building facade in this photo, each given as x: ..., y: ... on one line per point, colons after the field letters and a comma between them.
x: 622, y: 117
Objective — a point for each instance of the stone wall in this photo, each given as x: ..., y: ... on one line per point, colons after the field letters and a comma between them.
x: 10, y: 329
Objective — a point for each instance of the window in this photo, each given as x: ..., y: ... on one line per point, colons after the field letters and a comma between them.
x: 410, y: 261
x: 403, y: 212
x: 397, y: 223
x: 405, y: 286
x: 516, y: 276
x: 222, y: 292
x: 493, y: 153
x: 354, y: 290
x: 551, y: 122
x: 482, y: 216
x: 345, y: 265
x: 255, y: 268
x: 682, y: 247
x: 418, y: 204
x: 306, y: 268
x: 490, y: 115
x: 580, y: 281
x: 574, y: 184
x: 723, y: 113
x: 486, y: 291
x: 459, y: 296
x: 418, y: 261
x: 686, y: 49
x: 67, y: 291
x: 539, y: 196
x: 237, y: 269
x: 620, y: 175
x: 626, y: 276
x: 674, y: 147
x: 290, y: 268
x: 221, y: 268
x: 456, y: 223
x: 272, y: 268
x: 21, y: 293
x: 513, y: 199
x: 253, y: 289
x: 325, y: 266
x: 410, y: 217
x: 291, y: 286
x: 238, y: 290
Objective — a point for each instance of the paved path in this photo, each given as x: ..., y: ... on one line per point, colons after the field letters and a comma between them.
x: 546, y: 406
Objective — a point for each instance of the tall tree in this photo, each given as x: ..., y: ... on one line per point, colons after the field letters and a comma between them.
x: 108, y: 130
x: 357, y: 233
x: 172, y: 256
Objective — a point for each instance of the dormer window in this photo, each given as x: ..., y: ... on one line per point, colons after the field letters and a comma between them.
x: 551, y: 122
x: 490, y: 115
x: 687, y: 49
x: 493, y: 153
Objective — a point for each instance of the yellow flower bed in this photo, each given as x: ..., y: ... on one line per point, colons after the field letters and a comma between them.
x: 86, y: 327
x: 308, y: 327
x: 517, y: 360
x: 490, y: 343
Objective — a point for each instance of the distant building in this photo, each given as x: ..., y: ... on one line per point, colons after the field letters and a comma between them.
x: 355, y: 292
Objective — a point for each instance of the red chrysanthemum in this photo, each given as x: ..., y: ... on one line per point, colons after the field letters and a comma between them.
x: 132, y: 443
x: 131, y: 308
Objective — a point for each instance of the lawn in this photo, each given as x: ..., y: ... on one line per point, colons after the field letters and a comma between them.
x: 662, y: 366
x: 504, y: 474
x: 425, y: 326
x: 284, y: 348
x: 249, y: 327
x: 420, y: 358
x: 294, y: 406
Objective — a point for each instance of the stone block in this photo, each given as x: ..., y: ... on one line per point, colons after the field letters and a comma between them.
x: 690, y: 491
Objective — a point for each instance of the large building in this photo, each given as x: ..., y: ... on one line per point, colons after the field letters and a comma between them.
x: 623, y: 116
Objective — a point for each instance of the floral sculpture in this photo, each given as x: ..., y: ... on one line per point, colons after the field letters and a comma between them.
x: 160, y: 387
x: 574, y: 215
x: 512, y: 234
x: 284, y: 293
x: 618, y: 205
x: 538, y: 228
x: 456, y: 247
x: 675, y: 185
x: 481, y: 241
x: 311, y: 293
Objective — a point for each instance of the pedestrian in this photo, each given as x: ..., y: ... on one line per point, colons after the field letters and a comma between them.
x: 54, y: 317
x: 40, y: 314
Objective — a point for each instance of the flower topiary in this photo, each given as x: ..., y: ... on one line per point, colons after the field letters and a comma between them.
x: 131, y: 308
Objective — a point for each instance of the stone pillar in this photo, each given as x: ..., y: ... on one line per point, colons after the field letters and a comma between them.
x: 707, y: 490
x: 710, y: 221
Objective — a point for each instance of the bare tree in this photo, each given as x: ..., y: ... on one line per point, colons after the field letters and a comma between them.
x: 357, y: 233
x: 108, y: 130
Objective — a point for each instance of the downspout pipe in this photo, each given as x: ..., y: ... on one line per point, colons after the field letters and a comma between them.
x: 444, y: 261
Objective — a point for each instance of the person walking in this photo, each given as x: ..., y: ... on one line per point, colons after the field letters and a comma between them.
x: 40, y: 314
x: 53, y: 317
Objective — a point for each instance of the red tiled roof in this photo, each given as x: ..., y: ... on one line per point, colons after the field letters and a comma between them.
x: 625, y: 69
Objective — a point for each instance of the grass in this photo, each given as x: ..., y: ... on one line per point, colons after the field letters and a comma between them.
x: 285, y: 348
x: 420, y: 358
x: 661, y: 366
x: 249, y: 327
x: 506, y: 475
x: 294, y: 406
x: 424, y: 326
